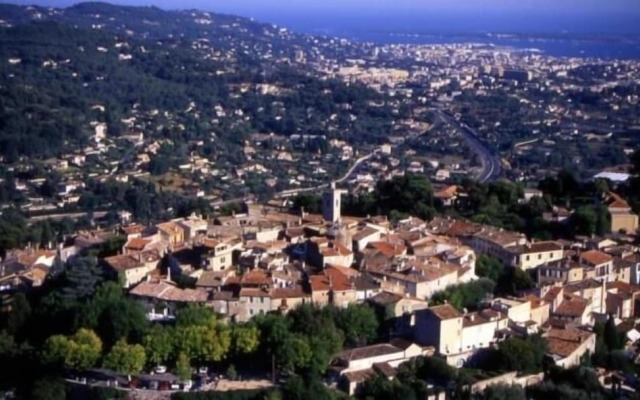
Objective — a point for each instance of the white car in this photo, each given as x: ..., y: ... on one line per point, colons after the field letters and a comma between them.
x: 187, y: 385
x: 160, y: 369
x: 203, y: 370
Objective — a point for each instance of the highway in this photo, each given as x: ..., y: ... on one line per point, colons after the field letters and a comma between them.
x: 490, y: 164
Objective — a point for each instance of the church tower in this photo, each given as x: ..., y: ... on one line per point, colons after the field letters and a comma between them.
x: 331, y: 204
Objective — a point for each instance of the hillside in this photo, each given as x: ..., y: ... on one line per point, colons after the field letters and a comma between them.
x: 180, y: 75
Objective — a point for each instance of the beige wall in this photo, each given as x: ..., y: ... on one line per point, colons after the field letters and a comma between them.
x: 625, y: 222
x: 574, y: 359
x: 134, y: 276
x: 533, y: 260
x: 541, y: 314
x: 450, y: 336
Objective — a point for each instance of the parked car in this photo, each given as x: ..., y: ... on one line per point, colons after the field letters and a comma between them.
x: 203, y: 371
x: 160, y: 369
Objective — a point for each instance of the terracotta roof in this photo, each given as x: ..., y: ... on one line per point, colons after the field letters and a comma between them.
x: 462, y: 228
x: 447, y: 193
x: 595, y: 257
x: 255, y: 277
x: 553, y: 294
x: 385, y: 369
x: 376, y: 350
x: 123, y: 262
x: 445, y: 311
x: 537, y: 247
x: 293, y: 292
x: 366, y: 232
x: 388, y: 250
x: 133, y: 229
x: 615, y: 201
x: 385, y: 298
x: 166, y: 291
x: 572, y: 306
x: 331, y: 278
x: 359, y: 376
x: 137, y: 244
x: 564, y: 342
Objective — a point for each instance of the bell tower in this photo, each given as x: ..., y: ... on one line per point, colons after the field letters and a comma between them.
x: 331, y: 204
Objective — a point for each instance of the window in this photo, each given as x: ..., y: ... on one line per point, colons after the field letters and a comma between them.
x: 528, y: 258
x: 222, y: 260
x: 539, y: 256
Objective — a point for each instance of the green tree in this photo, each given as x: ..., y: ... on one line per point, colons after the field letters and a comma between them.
x: 523, y: 355
x: 80, y: 351
x: 232, y: 374
x: 358, y: 323
x: 113, y: 315
x: 183, y: 367
x: 504, y: 392
x: 489, y: 267
x: 611, y: 337
x: 584, y: 221
x: 125, y: 358
x: 19, y: 315
x: 48, y: 389
x: 158, y: 344
x: 245, y: 339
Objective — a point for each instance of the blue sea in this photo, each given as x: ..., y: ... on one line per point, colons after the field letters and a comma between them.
x: 609, y: 37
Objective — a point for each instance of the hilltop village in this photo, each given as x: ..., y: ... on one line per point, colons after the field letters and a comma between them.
x: 267, y: 260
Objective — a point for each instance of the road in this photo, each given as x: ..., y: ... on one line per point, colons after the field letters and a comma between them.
x: 490, y: 164
x: 292, y: 192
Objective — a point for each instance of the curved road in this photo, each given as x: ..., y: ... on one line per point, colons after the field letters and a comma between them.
x: 491, y: 165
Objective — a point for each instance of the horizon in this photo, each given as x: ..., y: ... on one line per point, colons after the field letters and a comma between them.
x: 415, y: 16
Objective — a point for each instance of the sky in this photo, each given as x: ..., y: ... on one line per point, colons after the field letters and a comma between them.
x: 598, y: 16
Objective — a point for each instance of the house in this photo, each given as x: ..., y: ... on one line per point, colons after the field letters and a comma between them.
x: 171, y: 233
x: 532, y: 255
x: 334, y: 287
x: 418, y: 279
x: 497, y: 242
x: 622, y: 218
x: 448, y: 195
x: 458, y: 335
x: 218, y: 254
x: 573, y: 310
x: 133, y: 268
x: 563, y: 271
x: 161, y: 298
x: 600, y: 263
x: 621, y: 300
x: 567, y: 347
x: 354, y: 366
x: 397, y: 311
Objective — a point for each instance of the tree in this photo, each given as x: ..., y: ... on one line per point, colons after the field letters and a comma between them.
x: 523, y: 355
x: 203, y: 343
x: 158, y: 345
x: 19, y: 315
x: 194, y: 315
x: 245, y: 339
x: 584, y: 221
x: 232, y: 374
x: 113, y: 315
x: 611, y: 337
x: 80, y: 351
x: 125, y: 358
x: 504, y: 392
x: 358, y: 323
x: 183, y: 367
x: 48, y: 389
x: 489, y: 267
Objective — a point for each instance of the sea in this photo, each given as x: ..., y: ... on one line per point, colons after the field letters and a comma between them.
x: 586, y: 36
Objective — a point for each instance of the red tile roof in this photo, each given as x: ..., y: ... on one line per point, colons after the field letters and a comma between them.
x: 595, y: 257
